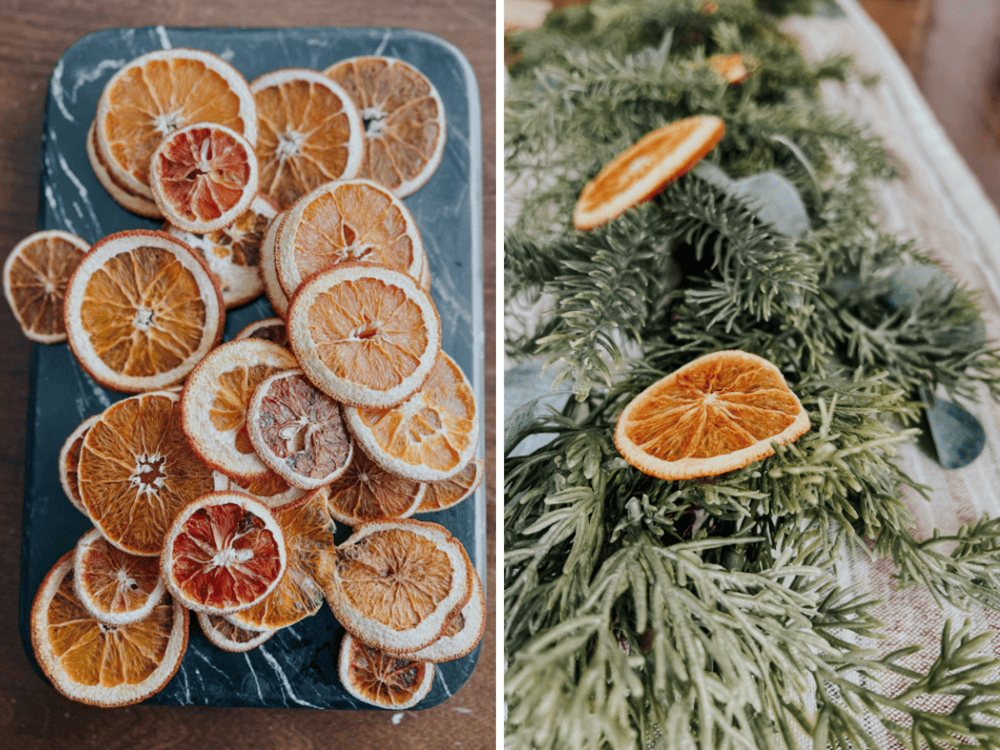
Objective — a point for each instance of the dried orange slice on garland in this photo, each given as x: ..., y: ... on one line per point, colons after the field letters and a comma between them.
x: 367, y: 492
x: 713, y: 415
x: 115, y: 587
x: 381, y: 679
x: 646, y: 168
x: 734, y: 67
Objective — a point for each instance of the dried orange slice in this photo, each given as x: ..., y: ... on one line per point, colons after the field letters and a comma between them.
x: 137, y: 472
x: 115, y: 587
x: 90, y: 662
x: 367, y: 492
x: 128, y: 200
x: 450, y: 492
x: 308, y: 531
x: 35, y: 275
x: 403, y: 117
x: 716, y: 414
x: 223, y: 553
x: 214, y: 404
x: 364, y: 334
x: 645, y: 168
x: 233, y: 252
x: 308, y: 133
x: 269, y: 329
x: 69, y: 462
x: 431, y: 436
x: 203, y: 177
x: 395, y: 584
x: 158, y: 93
x: 731, y: 66
x: 228, y: 636
x: 141, y: 310
x: 463, y: 632
x: 270, y: 490
x: 298, y: 431
x: 381, y: 679
x: 348, y: 220
x: 269, y: 271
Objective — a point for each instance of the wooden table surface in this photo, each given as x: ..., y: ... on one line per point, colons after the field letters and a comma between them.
x: 33, y: 36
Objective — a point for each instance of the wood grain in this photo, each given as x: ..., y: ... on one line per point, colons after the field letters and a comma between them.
x: 33, y: 36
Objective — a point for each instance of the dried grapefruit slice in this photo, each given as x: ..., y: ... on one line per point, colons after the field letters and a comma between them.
x: 223, y: 553
x: 233, y: 252
x: 128, y: 200
x: 463, y: 632
x: 395, y: 584
x: 309, y: 133
x: 158, y: 93
x: 269, y: 329
x: 367, y: 492
x: 364, y: 334
x: 713, y: 415
x: 69, y: 462
x: 203, y: 177
x: 348, y: 220
x: 90, y: 662
x: 381, y: 679
x: 431, y: 436
x: 35, y: 275
x: 115, y: 587
x: 141, y: 310
x: 137, y: 472
x: 214, y: 404
x: 645, y: 168
x: 228, y: 636
x: 450, y: 492
x: 403, y: 117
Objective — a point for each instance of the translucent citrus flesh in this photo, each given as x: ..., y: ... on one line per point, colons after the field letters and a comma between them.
x: 381, y: 678
x: 151, y: 101
x: 395, y: 577
x: 203, y: 173
x: 38, y: 277
x: 229, y: 409
x: 137, y: 472
x: 352, y: 222
x: 115, y: 581
x: 143, y: 311
x: 224, y: 557
x: 449, y: 492
x: 369, y: 332
x: 302, y: 138
x: 366, y: 492
x: 91, y: 653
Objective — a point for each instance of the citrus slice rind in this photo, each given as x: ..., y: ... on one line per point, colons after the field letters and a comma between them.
x: 35, y: 276
x: 113, y: 586
x: 381, y: 679
x: 203, y: 177
x: 141, y: 310
x: 404, y: 120
x: 225, y: 552
x: 450, y: 492
x: 298, y: 431
x: 158, y: 93
x: 224, y: 634
x: 270, y: 490
x: 215, y: 399
x: 463, y: 632
x: 344, y: 221
x: 309, y: 133
x: 395, y: 584
x: 431, y: 436
x: 69, y: 462
x: 364, y: 334
x: 137, y: 204
x: 268, y: 270
x: 269, y: 329
x: 645, y: 168
x: 367, y: 492
x: 715, y: 414
x: 91, y: 663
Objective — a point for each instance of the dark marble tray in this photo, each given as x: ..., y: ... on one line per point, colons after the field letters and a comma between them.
x: 297, y: 667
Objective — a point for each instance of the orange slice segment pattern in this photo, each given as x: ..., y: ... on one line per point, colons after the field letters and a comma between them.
x: 367, y: 492
x: 114, y: 586
x: 382, y: 679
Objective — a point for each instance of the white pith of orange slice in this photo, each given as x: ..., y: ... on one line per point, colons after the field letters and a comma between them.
x: 69, y: 462
x: 381, y: 679
x: 224, y: 634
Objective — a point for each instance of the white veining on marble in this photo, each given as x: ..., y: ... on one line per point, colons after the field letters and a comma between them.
x: 187, y: 685
x: 284, y: 679
x: 254, y: 673
x: 456, y: 134
x: 84, y: 197
x: 382, y: 45
x: 128, y: 38
x: 85, y: 383
x: 89, y: 75
x: 227, y: 54
x: 439, y: 676
x: 452, y: 306
x: 164, y: 41
x: 59, y: 210
x: 58, y: 92
x: 208, y: 661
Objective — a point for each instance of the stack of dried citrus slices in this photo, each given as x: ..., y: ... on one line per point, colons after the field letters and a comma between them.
x: 215, y: 485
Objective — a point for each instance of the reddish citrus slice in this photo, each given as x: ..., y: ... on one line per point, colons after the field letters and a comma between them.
x: 35, y: 275
x: 431, y: 436
x: 645, y: 168
x: 224, y: 552
x: 731, y: 66
x: 141, y: 310
x: 308, y: 531
x: 137, y: 472
x: 128, y: 200
x: 403, y: 117
x: 716, y: 414
x: 463, y: 632
x: 228, y: 636
x: 204, y: 177
x: 269, y: 329
x: 298, y: 431
x: 450, y: 492
x: 158, y: 93
x: 309, y: 133
x: 233, y: 252
x: 367, y: 492
x: 115, y: 587
x: 69, y: 462
x: 349, y: 220
x: 90, y: 662
x: 381, y: 679
x: 395, y: 584
x: 269, y: 271
x: 215, y: 399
